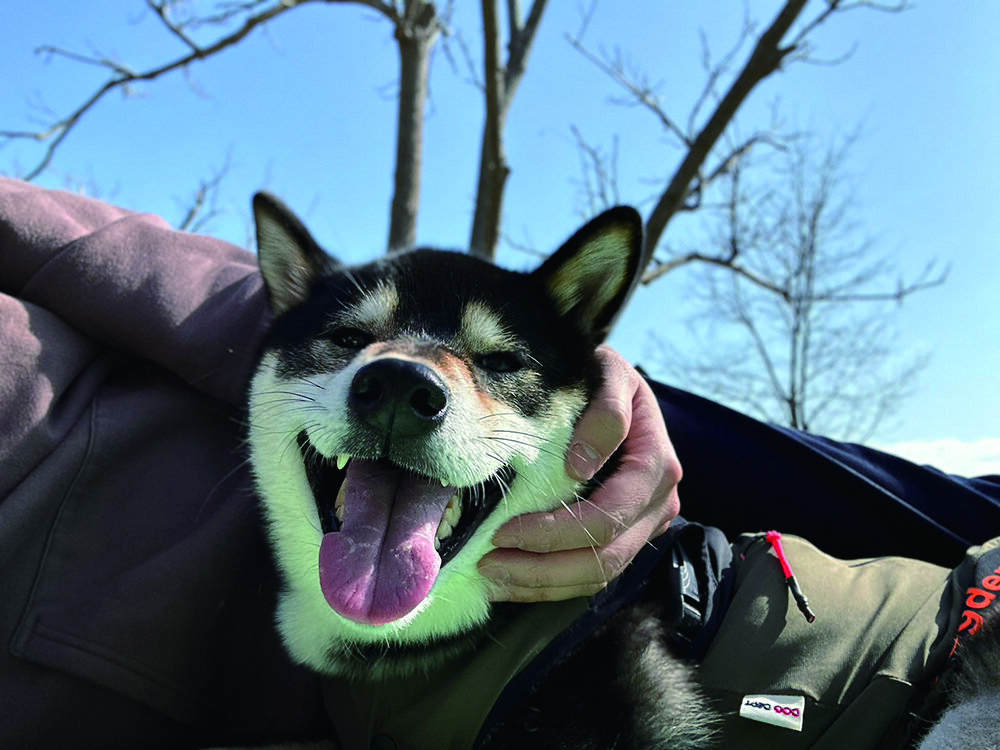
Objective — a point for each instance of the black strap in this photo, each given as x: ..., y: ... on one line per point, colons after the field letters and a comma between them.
x: 696, y: 581
x: 689, y: 597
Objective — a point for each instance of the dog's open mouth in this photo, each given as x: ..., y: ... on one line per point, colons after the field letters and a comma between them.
x: 387, y: 531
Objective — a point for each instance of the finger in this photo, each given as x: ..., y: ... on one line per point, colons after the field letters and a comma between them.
x: 640, y: 491
x: 550, y: 531
x: 631, y: 506
x: 605, y: 423
x: 645, y: 482
x: 526, y: 576
x: 588, y: 565
x: 511, y: 593
x: 586, y: 523
x: 643, y: 485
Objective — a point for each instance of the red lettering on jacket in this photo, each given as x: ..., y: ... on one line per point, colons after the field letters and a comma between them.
x: 972, y: 620
x: 979, y: 598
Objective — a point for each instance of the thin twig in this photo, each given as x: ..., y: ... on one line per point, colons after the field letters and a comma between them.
x: 122, y: 78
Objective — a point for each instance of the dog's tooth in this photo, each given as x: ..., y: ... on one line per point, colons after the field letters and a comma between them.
x: 454, y: 511
x: 444, y: 482
x: 339, y: 502
x: 342, y: 462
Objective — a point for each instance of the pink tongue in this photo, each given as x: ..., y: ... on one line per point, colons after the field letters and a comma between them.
x: 382, y: 563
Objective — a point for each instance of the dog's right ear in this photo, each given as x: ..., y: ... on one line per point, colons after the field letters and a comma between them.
x: 592, y: 275
x: 290, y: 259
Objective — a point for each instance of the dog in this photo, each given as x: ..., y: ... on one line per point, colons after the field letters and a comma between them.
x: 401, y: 412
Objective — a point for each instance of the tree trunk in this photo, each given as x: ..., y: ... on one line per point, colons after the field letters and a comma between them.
x: 500, y: 84
x: 493, y: 168
x: 416, y: 36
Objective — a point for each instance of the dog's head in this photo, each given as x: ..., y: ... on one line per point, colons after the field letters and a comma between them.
x: 403, y: 410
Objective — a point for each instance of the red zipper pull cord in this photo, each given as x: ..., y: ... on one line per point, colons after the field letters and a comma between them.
x: 774, y: 539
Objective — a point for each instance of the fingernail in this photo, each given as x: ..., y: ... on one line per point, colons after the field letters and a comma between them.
x: 505, y: 538
x: 495, y: 573
x: 584, y: 461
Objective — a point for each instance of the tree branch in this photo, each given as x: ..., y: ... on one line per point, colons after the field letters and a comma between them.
x: 801, y: 343
x: 765, y: 59
x: 196, y: 216
x: 160, y: 9
x: 123, y: 78
x: 599, y: 174
x: 641, y: 90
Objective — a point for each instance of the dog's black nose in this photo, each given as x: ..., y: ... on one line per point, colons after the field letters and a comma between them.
x: 399, y: 396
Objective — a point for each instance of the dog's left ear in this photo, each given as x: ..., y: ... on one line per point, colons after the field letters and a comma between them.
x: 290, y: 259
x: 591, y: 276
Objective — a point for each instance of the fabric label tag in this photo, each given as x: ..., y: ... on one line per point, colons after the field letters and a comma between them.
x: 780, y: 710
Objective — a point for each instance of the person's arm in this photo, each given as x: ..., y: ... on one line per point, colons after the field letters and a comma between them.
x: 189, y: 303
x: 742, y: 475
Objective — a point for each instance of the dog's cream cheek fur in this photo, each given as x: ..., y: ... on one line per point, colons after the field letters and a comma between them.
x: 460, y: 597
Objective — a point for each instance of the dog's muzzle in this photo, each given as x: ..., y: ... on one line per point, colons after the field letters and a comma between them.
x: 390, y: 519
x: 399, y: 397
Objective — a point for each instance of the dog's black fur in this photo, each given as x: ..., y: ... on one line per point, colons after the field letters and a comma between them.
x: 621, y: 687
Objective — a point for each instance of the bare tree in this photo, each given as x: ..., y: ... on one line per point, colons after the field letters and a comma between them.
x: 418, y: 25
x: 784, y: 41
x: 802, y: 333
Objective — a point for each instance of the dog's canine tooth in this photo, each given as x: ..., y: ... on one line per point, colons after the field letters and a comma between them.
x: 453, y: 511
x: 342, y: 461
x: 338, y: 504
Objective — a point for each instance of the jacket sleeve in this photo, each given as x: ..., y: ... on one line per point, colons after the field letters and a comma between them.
x: 189, y: 303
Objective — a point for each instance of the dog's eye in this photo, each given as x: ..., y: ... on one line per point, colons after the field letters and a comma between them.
x: 500, y: 362
x: 350, y: 338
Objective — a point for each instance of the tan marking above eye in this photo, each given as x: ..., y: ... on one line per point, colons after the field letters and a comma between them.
x: 483, y: 331
x: 374, y: 310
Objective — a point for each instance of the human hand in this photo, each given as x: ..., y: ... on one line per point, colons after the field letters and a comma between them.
x: 576, y: 550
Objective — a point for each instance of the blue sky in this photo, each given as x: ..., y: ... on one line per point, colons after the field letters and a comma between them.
x: 305, y: 109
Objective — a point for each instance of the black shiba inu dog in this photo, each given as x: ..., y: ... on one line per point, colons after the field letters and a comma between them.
x: 402, y: 411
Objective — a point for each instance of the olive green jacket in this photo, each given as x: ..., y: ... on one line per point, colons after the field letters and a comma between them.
x: 853, y: 678
x: 883, y: 634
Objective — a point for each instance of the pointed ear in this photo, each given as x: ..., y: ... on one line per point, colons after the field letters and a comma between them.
x: 289, y: 258
x: 591, y: 276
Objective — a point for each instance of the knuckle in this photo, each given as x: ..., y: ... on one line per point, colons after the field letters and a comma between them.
x: 614, y: 559
x: 551, y: 534
x: 617, y: 414
x: 673, y: 472
x: 604, y: 532
x: 648, y: 465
